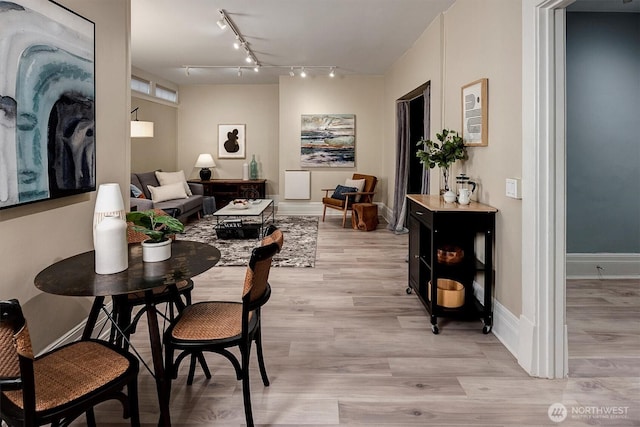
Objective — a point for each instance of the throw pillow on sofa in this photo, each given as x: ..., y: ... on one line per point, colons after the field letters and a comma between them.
x: 167, y: 192
x: 165, y: 178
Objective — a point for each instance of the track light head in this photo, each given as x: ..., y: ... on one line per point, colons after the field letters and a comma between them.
x: 186, y: 71
x: 239, y: 72
x: 248, y: 58
x: 256, y: 68
x: 291, y: 72
x: 332, y: 72
x: 237, y: 43
x: 222, y: 23
x: 303, y: 73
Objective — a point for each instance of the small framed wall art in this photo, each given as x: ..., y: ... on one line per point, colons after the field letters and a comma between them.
x: 231, y: 142
x: 475, y: 112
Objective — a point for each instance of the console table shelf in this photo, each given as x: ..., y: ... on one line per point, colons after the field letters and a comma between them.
x: 225, y: 190
x: 435, y: 224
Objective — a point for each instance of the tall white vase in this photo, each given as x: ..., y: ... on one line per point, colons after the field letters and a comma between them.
x: 110, y: 244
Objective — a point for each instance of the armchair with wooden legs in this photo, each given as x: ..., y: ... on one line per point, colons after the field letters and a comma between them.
x: 345, y: 205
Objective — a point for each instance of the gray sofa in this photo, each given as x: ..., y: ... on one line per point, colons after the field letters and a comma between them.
x: 186, y: 207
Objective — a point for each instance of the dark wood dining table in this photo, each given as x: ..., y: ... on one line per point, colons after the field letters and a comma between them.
x: 76, y: 276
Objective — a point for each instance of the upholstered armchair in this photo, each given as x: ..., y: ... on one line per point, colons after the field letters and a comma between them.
x: 359, y: 189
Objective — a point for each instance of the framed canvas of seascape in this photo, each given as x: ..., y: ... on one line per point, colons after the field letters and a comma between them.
x: 47, y: 102
x: 328, y: 140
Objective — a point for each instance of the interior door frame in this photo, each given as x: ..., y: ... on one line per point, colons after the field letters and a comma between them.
x: 543, y: 347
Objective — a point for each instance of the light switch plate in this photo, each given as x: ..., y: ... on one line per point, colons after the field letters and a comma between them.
x: 513, y: 188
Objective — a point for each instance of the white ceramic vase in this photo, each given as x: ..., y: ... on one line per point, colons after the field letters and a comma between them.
x: 110, y: 244
x: 155, y: 252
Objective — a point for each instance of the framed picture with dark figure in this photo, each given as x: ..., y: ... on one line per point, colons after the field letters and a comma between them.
x: 231, y: 142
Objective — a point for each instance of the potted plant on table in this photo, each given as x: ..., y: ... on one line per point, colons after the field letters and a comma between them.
x: 159, y: 226
x: 443, y: 154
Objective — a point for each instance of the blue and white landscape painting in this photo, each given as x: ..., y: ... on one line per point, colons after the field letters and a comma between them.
x: 328, y: 140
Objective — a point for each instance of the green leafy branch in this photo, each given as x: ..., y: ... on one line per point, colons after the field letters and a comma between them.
x: 443, y: 154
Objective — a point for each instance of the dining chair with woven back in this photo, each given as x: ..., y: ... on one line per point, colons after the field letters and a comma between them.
x: 62, y: 384
x: 217, y: 326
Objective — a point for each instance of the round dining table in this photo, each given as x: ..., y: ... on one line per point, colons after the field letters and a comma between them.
x: 76, y: 276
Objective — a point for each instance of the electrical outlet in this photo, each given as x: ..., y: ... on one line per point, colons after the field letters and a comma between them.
x: 513, y: 188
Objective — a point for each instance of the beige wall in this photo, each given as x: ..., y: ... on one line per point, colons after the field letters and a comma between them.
x: 37, y: 235
x: 450, y: 55
x: 203, y: 108
x: 159, y: 152
x: 362, y: 96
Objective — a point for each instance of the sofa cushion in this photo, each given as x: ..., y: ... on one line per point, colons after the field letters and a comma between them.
x: 165, y: 178
x: 167, y: 192
x: 145, y: 179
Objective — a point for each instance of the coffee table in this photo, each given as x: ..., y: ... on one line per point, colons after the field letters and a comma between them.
x: 263, y: 210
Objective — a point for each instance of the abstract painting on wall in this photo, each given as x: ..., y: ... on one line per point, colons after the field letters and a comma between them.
x: 328, y: 140
x: 47, y: 102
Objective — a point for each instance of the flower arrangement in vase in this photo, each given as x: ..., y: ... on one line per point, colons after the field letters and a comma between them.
x: 443, y: 154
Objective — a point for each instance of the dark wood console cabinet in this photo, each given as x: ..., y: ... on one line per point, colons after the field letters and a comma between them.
x: 225, y: 190
x: 435, y: 224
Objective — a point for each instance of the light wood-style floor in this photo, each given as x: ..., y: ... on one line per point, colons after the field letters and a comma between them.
x: 346, y: 346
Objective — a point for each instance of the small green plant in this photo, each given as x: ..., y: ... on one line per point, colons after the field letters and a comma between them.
x: 443, y: 154
x: 155, y: 225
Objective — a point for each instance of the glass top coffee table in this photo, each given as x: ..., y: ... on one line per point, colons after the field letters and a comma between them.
x: 231, y: 217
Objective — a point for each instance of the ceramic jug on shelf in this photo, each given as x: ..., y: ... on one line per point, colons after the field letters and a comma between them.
x: 464, y: 192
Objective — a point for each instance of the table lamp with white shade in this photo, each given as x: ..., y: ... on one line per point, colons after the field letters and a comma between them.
x: 205, y: 161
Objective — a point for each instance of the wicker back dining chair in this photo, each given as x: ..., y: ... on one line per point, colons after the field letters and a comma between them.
x: 59, y: 386
x: 216, y: 326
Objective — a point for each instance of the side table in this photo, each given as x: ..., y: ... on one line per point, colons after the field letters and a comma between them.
x: 364, y: 216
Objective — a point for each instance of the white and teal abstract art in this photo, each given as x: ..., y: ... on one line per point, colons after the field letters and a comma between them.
x: 328, y: 140
x: 47, y: 102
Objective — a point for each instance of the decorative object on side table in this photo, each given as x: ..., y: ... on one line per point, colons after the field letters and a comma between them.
x: 205, y: 161
x: 443, y: 155
x: 159, y: 227
x: 253, y: 166
x: 110, y: 231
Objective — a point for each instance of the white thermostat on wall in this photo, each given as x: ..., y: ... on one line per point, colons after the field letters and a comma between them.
x: 513, y: 188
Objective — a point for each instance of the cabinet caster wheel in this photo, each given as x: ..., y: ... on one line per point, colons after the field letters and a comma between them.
x: 435, y: 329
x: 486, y: 329
x: 408, y: 290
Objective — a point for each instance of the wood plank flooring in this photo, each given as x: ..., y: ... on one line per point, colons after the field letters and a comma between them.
x: 346, y: 346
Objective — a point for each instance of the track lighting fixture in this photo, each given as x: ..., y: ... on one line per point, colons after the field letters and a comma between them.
x: 250, y: 58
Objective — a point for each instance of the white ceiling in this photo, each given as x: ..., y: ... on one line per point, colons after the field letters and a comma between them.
x: 362, y: 37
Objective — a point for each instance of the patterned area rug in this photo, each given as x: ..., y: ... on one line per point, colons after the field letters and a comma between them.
x: 299, y: 250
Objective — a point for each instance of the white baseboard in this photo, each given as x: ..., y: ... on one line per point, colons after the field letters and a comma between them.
x: 315, y: 209
x: 505, y: 324
x: 612, y: 266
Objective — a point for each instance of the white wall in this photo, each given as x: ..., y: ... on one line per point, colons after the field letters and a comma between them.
x: 37, y: 235
x: 362, y: 96
x: 203, y: 108
x: 450, y: 54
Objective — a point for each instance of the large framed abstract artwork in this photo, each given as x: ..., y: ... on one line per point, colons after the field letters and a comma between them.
x: 328, y: 140
x: 47, y: 102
